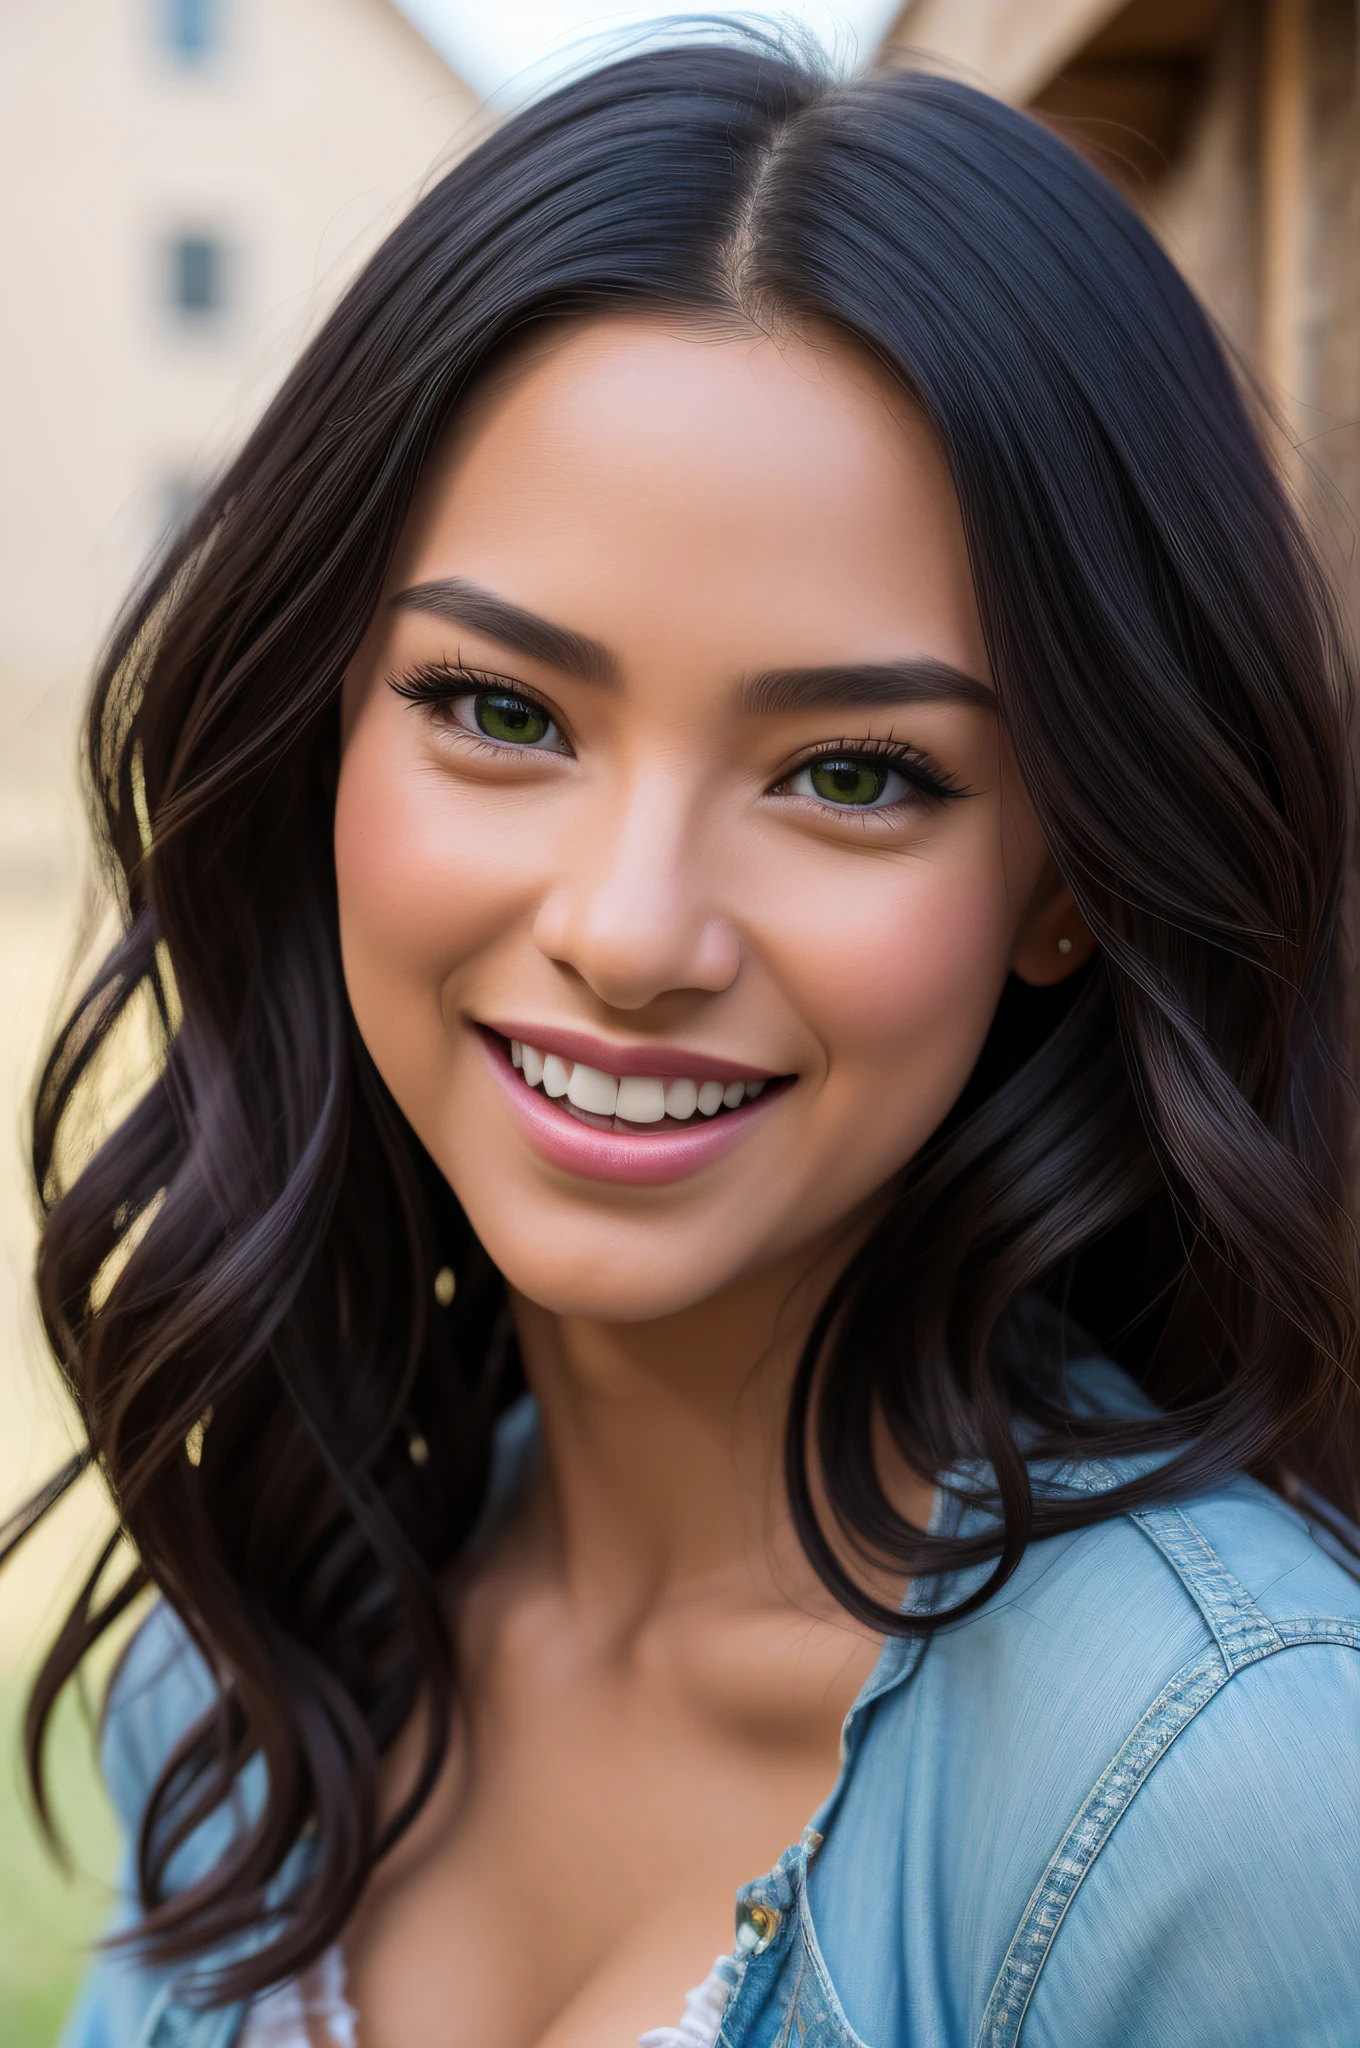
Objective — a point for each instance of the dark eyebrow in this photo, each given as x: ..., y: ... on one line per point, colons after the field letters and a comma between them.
x: 467, y: 604
x: 850, y: 685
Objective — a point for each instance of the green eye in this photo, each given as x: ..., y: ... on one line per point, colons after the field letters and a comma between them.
x: 857, y: 784
x: 512, y: 720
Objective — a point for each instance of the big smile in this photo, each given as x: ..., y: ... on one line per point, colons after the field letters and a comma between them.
x: 633, y: 1105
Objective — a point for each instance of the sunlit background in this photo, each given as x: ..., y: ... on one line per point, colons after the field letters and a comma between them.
x: 188, y: 184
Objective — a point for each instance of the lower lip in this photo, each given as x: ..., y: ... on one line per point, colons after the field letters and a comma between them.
x: 645, y: 1162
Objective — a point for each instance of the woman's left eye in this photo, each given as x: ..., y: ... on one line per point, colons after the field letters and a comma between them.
x: 507, y: 720
x: 850, y: 784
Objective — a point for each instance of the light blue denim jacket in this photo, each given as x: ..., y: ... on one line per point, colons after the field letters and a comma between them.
x: 1118, y: 1807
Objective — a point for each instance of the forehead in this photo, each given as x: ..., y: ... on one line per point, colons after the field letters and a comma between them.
x: 630, y: 466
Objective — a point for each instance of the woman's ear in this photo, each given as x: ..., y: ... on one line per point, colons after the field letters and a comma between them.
x: 1054, y: 940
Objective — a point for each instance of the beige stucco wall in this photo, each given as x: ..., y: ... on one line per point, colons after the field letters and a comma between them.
x: 298, y: 144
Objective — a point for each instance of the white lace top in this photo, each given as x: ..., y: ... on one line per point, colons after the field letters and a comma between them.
x: 312, y: 2011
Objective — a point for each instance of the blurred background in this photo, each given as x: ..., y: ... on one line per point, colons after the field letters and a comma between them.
x: 187, y: 186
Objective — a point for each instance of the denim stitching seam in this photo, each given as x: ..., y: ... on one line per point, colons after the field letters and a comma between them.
x: 1173, y: 1710
x: 816, y: 1962
x: 1327, y: 1630
x: 791, y: 2010
x: 1240, y: 1629
x: 725, y: 2039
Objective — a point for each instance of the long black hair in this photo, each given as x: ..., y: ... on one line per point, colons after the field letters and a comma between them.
x: 1162, y: 1148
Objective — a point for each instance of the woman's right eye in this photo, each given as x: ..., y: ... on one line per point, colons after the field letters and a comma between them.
x: 507, y: 720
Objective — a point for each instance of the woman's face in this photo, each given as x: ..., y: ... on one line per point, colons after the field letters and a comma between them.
x: 670, y: 769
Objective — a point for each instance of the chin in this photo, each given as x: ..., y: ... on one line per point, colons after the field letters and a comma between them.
x: 610, y: 1282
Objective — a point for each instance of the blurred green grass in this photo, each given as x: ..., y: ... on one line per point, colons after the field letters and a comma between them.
x: 48, y: 1921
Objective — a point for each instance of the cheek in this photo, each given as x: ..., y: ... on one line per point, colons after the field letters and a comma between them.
x: 422, y: 885
x: 900, y: 980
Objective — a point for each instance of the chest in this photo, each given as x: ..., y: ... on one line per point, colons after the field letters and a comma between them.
x: 575, y: 1873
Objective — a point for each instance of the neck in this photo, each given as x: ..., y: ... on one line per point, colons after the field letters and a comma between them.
x: 664, y: 1444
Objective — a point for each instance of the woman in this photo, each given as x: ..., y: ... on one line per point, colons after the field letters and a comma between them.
x: 736, y: 816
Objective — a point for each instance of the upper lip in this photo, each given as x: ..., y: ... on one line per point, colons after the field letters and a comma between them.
x: 665, y: 1062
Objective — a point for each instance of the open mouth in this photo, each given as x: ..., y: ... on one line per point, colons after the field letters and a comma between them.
x: 632, y: 1105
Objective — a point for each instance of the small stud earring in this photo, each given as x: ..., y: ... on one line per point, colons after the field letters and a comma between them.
x: 1064, y: 945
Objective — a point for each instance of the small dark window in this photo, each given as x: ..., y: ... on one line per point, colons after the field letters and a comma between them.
x: 198, y: 266
x: 190, y: 29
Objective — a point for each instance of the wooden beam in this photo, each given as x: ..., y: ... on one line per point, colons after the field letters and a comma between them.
x: 1283, y: 171
x: 1010, y: 47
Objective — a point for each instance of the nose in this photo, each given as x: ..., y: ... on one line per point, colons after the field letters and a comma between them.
x: 633, y: 908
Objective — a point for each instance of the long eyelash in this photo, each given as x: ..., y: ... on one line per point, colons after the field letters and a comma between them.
x: 917, y: 767
x: 438, y: 682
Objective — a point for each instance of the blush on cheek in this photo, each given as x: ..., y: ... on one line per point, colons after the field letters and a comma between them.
x: 422, y: 883
x: 904, y: 992
x: 421, y: 895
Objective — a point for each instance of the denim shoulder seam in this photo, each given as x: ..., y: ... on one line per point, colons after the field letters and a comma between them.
x: 1180, y: 1700
x: 1239, y: 1627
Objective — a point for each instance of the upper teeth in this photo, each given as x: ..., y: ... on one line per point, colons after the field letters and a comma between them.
x: 637, y: 1098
